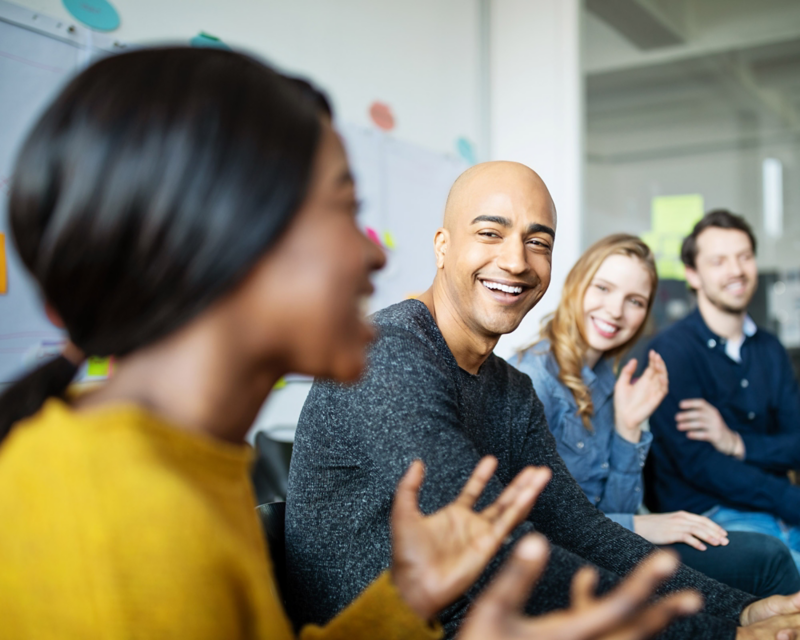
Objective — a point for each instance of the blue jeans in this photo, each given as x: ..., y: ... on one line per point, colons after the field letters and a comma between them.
x: 734, y: 520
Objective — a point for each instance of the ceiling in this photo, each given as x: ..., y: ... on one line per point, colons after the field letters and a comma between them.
x: 676, y: 77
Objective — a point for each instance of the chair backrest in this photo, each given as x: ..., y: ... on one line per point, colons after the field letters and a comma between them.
x: 273, y: 520
x: 271, y: 469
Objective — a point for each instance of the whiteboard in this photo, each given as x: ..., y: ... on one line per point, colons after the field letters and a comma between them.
x: 37, y: 56
x: 402, y: 187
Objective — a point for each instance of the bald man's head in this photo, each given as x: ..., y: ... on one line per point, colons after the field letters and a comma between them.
x: 488, y: 179
x: 494, y: 250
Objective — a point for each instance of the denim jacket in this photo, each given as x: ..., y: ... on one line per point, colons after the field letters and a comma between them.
x: 607, y: 467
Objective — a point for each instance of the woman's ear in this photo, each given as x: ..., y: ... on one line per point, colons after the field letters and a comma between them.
x: 440, y: 242
x: 53, y: 315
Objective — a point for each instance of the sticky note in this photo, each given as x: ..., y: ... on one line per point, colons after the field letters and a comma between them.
x: 204, y: 39
x: 280, y: 384
x: 466, y: 150
x: 97, y: 14
x: 388, y: 240
x: 97, y: 367
x: 373, y: 235
x: 3, y: 265
x: 670, y: 268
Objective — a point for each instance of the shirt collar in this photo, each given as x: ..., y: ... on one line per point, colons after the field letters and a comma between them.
x: 749, y: 327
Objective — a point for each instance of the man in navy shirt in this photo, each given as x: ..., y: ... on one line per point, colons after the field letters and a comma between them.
x: 729, y: 430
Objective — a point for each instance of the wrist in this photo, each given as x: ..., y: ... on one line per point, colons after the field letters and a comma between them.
x: 631, y: 433
x: 414, y: 598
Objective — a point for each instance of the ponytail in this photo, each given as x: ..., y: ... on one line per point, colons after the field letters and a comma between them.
x: 27, y: 395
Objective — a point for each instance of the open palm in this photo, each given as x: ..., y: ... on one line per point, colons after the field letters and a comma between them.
x: 634, y: 402
x: 436, y: 558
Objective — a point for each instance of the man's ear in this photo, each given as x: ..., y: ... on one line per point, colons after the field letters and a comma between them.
x: 440, y: 242
x: 692, y: 278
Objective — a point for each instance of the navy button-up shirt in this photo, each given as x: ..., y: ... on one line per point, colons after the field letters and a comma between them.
x: 607, y: 467
x: 757, y: 396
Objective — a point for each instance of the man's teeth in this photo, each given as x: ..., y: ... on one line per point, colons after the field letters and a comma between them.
x: 605, y: 326
x: 501, y: 287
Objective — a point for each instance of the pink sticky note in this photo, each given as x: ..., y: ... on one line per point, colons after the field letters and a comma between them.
x: 373, y: 235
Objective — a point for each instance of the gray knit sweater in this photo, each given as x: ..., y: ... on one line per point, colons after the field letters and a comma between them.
x: 353, y: 443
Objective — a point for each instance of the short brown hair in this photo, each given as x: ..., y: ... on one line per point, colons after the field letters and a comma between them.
x: 721, y: 218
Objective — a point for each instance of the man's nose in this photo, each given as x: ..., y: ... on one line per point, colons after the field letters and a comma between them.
x: 513, y: 257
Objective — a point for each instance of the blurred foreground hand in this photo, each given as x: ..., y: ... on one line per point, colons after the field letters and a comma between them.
x: 622, y: 614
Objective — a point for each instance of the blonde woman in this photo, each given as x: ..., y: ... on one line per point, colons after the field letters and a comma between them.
x: 597, y: 418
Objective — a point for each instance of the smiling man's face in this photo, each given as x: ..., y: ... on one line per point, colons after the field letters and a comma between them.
x: 495, y: 250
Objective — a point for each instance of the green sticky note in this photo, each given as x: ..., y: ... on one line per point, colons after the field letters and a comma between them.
x: 98, y: 366
x: 676, y: 215
x: 670, y: 268
x: 652, y: 240
x: 280, y: 384
x: 388, y: 240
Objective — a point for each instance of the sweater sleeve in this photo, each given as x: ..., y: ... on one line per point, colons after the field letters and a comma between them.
x: 379, y: 612
x: 591, y: 535
x: 705, y: 467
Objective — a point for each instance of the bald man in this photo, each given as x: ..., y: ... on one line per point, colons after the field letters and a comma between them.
x: 435, y: 391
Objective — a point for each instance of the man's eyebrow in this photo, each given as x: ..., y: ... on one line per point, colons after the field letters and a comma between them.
x: 503, y: 222
x: 542, y: 228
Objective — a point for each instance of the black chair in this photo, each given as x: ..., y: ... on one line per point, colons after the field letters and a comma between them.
x: 273, y: 520
x: 270, y: 471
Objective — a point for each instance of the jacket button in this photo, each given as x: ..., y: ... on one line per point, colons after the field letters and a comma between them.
x: 604, y: 465
x: 580, y: 445
x: 744, y: 383
x: 751, y: 416
x: 711, y: 343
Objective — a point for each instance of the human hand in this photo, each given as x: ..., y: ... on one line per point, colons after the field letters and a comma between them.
x: 436, y: 558
x: 620, y: 615
x: 784, y: 627
x: 767, y: 608
x: 680, y: 526
x: 701, y: 421
x: 635, y: 402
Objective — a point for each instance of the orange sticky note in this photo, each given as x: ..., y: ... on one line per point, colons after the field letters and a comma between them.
x: 3, y: 267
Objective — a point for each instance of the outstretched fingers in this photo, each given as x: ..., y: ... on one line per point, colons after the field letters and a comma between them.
x: 510, y: 589
x: 477, y: 482
x: 406, y: 498
x: 517, y: 499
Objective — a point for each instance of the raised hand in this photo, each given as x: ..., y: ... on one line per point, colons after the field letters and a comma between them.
x: 701, y: 421
x: 620, y: 615
x: 680, y: 526
x: 635, y: 402
x: 437, y: 558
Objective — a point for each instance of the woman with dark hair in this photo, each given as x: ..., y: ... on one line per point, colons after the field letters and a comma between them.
x: 597, y: 418
x: 192, y: 213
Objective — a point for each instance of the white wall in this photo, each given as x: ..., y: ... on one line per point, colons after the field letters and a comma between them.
x: 537, y: 119
x: 422, y: 57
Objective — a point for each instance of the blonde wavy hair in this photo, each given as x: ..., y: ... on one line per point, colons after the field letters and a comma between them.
x: 565, y: 328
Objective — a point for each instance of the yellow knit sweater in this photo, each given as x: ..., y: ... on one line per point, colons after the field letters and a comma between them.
x: 116, y: 525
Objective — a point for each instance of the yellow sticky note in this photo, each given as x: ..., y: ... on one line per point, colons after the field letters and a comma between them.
x: 388, y: 240
x: 3, y: 267
x: 280, y: 384
x: 676, y: 215
x: 98, y: 366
